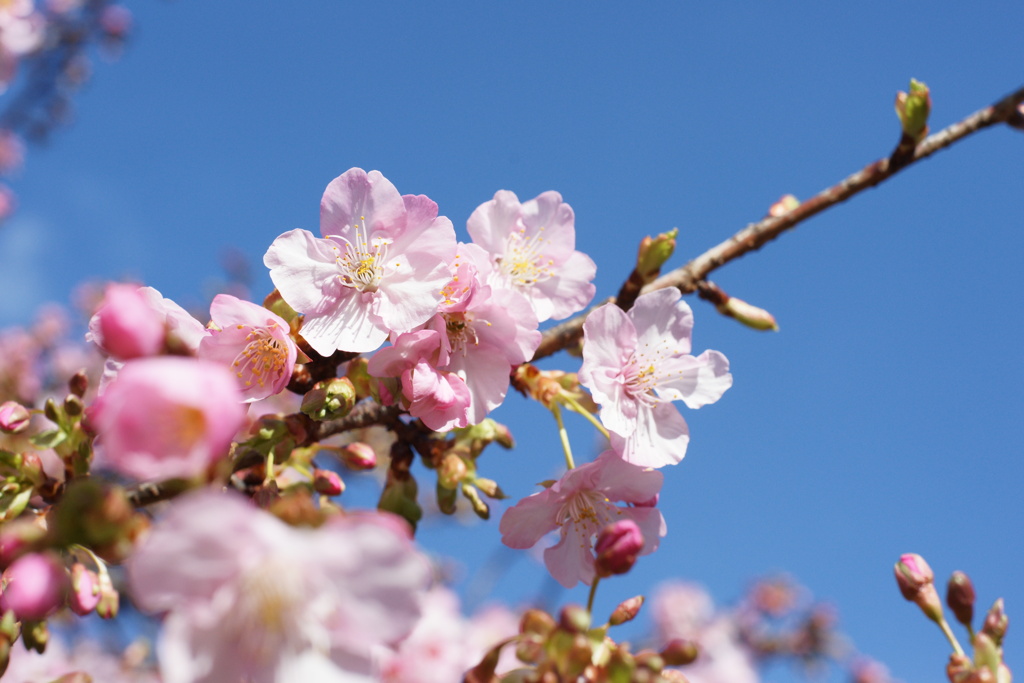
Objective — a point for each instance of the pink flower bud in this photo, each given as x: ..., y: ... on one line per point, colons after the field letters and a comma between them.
x: 617, y: 547
x: 960, y: 597
x: 996, y: 622
x: 126, y: 326
x: 14, y: 417
x: 917, y: 584
x: 327, y: 483
x: 627, y: 610
x: 35, y: 585
x: 85, y: 590
x: 359, y: 456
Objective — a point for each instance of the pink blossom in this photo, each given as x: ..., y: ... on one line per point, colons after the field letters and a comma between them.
x: 58, y: 660
x: 579, y: 506
x: 253, y: 342
x: 142, y: 323
x: 533, y: 250
x: 617, y: 547
x: 34, y: 586
x: 635, y: 364
x: 379, y: 268
x: 167, y: 417
x: 440, y: 398
x: 250, y: 598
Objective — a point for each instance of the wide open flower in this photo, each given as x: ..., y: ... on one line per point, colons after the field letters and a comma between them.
x: 166, y: 417
x: 251, y: 599
x: 533, y: 248
x: 635, y: 364
x: 253, y: 343
x: 579, y: 506
x: 379, y: 268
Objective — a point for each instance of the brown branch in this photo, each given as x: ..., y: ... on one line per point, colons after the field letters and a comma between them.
x: 756, y: 235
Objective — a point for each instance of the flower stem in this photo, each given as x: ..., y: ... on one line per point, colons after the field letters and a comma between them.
x: 557, y: 411
x: 950, y: 637
x: 575, y: 406
x: 593, y: 592
x: 270, y: 468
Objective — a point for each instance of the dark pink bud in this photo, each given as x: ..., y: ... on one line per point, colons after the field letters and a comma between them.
x: 960, y: 597
x: 912, y: 574
x: 327, y: 483
x: 35, y: 586
x: 14, y: 417
x: 85, y: 590
x: 617, y: 548
x: 359, y: 456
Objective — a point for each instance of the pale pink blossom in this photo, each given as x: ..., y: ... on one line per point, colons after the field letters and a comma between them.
x: 167, y: 417
x: 438, y: 397
x: 635, y: 364
x: 59, y: 660
x: 252, y: 599
x: 532, y: 247
x: 161, y: 324
x: 379, y: 268
x: 579, y: 506
x: 34, y: 586
x: 253, y: 343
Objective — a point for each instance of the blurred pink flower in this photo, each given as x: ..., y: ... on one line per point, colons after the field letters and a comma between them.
x: 379, y: 268
x: 12, y: 151
x: 142, y: 323
x: 34, y: 586
x: 253, y: 342
x: 579, y: 506
x: 58, y: 660
x: 166, y: 417
x: 250, y: 598
x: 635, y: 364
x: 533, y: 250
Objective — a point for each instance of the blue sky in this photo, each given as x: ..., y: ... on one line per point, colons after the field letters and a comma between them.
x: 884, y: 416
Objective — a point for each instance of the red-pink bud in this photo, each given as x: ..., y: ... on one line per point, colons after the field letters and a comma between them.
x: 617, y: 547
x: 359, y: 456
x: 35, y: 586
x: 14, y: 417
x: 327, y: 483
x: 85, y: 590
x: 126, y: 326
x: 912, y: 574
x: 627, y: 610
x: 960, y: 597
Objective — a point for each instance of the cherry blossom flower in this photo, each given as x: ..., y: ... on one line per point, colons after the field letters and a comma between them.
x: 533, y: 250
x: 59, y: 660
x: 635, y: 364
x: 166, y: 417
x: 379, y: 268
x: 579, y: 506
x: 253, y: 342
x: 252, y: 599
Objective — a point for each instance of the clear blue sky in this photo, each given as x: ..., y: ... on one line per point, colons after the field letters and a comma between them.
x: 885, y: 415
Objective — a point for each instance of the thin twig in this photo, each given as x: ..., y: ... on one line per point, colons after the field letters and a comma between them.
x: 755, y: 235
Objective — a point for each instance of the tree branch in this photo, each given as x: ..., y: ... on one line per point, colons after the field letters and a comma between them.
x: 755, y: 235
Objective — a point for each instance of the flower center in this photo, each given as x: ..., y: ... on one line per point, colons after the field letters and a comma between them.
x: 588, y: 511
x: 524, y: 262
x: 646, y: 367
x: 460, y: 331
x: 267, y: 612
x: 362, y: 261
x: 263, y: 358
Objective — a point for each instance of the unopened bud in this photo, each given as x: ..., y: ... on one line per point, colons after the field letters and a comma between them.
x: 959, y: 668
x: 654, y: 252
x: 35, y: 635
x: 751, y: 316
x: 482, y: 510
x: 912, y: 109
x: 452, y: 471
x: 490, y: 488
x: 785, y: 204
x: 536, y: 622
x: 79, y: 384
x: 327, y: 483
x: 85, y: 590
x: 73, y: 405
x: 50, y: 411
x: 14, y: 417
x: 358, y: 372
x: 960, y: 597
x: 617, y: 548
x: 626, y: 611
x: 917, y: 584
x: 996, y: 622
x: 358, y: 456
x: 649, y: 659
x: 578, y: 656
x: 680, y: 652
x: 109, y: 602
x: 329, y: 399
x: 574, y: 619
x: 35, y: 586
